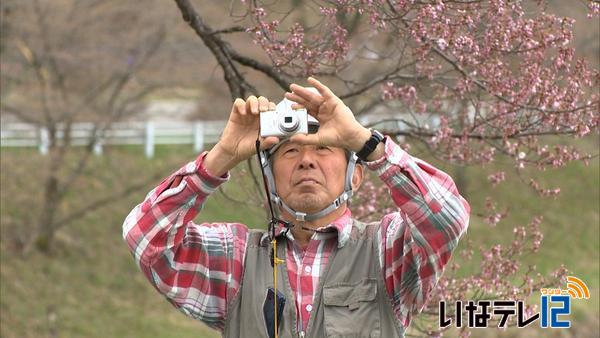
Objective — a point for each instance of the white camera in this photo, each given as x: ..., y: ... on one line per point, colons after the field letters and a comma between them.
x: 283, y: 121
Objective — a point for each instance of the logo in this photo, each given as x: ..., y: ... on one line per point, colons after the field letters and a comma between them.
x: 555, y: 306
x: 577, y: 288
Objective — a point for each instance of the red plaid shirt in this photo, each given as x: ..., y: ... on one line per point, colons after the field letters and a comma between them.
x: 199, y: 267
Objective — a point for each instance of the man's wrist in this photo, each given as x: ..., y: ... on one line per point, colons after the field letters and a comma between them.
x: 360, y: 142
x: 378, y: 153
x: 218, y: 162
x: 362, y: 136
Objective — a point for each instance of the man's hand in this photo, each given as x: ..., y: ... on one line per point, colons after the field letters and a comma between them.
x: 238, y: 140
x: 338, y: 127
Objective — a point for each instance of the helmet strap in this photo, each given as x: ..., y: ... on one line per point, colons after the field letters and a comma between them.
x: 302, y: 216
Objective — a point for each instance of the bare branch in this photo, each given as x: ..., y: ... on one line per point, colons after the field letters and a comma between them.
x: 238, y: 86
x: 270, y: 71
x: 41, y: 76
x: 103, y: 201
x: 234, y: 29
x: 44, y: 30
x: 21, y: 115
x: 99, y: 130
x: 128, y: 75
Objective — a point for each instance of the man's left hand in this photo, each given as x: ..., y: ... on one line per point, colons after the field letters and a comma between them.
x: 338, y: 127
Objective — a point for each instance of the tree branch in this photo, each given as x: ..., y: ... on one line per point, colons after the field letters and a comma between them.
x: 270, y: 71
x: 102, y: 202
x: 419, y: 132
x: 19, y: 114
x: 238, y: 86
x: 234, y: 29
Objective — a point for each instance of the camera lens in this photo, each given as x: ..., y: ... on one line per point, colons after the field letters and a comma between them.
x: 289, y: 123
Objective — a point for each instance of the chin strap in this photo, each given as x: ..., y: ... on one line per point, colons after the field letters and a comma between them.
x: 302, y: 216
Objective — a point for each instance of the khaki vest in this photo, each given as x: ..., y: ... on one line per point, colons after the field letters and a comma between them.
x: 351, y: 300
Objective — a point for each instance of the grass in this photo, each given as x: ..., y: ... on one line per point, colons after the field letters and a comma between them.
x: 90, y: 286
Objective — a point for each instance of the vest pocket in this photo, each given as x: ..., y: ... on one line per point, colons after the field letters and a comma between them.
x: 351, y: 309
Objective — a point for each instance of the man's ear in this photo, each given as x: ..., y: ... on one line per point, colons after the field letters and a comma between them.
x: 357, y: 176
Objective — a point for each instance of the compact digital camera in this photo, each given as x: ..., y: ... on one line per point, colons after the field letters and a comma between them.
x: 283, y: 121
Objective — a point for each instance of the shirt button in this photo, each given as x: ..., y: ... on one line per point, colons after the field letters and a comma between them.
x: 308, y: 308
x: 307, y: 269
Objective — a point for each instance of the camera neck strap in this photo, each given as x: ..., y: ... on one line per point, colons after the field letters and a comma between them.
x: 274, y: 219
x: 272, y: 227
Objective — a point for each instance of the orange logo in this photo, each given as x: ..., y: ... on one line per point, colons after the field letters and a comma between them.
x: 577, y: 288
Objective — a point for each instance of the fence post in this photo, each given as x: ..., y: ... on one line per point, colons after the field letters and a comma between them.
x: 98, y: 147
x: 198, y: 136
x: 149, y: 139
x: 44, y: 141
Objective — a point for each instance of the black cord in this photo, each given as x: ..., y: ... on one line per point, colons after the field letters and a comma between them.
x: 274, y: 220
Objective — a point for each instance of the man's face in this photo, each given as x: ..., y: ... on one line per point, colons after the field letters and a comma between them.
x: 309, y: 178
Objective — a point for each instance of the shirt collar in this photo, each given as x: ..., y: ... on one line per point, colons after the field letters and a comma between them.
x: 343, y: 226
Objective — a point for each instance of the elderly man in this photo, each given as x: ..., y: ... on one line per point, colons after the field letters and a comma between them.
x: 339, y: 277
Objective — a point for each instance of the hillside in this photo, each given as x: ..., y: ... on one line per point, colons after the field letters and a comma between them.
x: 90, y: 286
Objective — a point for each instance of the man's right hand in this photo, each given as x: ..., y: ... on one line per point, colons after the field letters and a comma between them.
x: 238, y: 140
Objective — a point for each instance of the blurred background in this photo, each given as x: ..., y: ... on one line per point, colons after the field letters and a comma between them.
x: 103, y: 99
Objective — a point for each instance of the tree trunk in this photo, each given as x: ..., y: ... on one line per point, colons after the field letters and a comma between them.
x: 44, y: 237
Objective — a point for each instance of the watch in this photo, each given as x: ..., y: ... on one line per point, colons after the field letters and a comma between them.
x: 370, y: 145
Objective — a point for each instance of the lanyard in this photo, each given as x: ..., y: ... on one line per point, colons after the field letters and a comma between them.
x: 271, y: 230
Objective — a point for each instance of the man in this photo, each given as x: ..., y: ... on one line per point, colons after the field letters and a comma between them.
x: 340, y: 277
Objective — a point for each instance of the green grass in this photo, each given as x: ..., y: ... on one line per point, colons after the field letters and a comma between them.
x: 90, y: 286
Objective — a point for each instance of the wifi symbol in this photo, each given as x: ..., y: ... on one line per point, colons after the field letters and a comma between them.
x: 577, y: 288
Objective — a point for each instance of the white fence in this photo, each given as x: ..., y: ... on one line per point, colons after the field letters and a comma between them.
x: 148, y: 134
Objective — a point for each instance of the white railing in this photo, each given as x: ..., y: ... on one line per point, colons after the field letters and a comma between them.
x: 148, y: 134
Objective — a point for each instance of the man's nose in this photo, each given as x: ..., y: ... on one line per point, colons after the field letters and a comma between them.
x: 307, y: 159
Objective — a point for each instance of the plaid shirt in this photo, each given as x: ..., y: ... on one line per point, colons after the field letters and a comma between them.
x: 199, y: 267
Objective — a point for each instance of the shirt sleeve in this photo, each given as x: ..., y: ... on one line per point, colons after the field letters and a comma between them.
x: 197, y: 267
x: 417, y: 240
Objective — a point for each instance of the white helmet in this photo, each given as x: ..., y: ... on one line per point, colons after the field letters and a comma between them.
x: 277, y: 203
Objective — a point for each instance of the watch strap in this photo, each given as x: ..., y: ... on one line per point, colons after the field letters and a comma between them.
x: 376, y: 138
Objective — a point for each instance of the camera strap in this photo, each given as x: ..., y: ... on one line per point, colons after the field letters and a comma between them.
x: 274, y: 220
x: 273, y: 223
